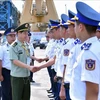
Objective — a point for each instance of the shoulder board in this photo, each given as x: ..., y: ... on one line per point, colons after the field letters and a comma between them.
x: 14, y: 44
x: 86, y: 46
x: 77, y: 41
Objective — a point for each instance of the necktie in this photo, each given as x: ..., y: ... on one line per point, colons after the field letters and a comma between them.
x: 26, y: 50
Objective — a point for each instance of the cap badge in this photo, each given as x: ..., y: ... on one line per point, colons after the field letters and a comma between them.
x: 26, y: 25
x: 12, y: 30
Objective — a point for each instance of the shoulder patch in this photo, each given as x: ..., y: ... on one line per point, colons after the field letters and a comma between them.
x: 66, y: 52
x: 89, y: 64
x: 14, y: 44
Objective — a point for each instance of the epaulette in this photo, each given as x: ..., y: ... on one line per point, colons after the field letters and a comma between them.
x: 77, y: 41
x: 61, y: 40
x: 14, y: 44
x: 64, y: 42
x: 86, y: 46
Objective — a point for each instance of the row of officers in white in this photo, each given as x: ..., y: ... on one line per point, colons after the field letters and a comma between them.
x: 75, y: 61
x: 72, y: 55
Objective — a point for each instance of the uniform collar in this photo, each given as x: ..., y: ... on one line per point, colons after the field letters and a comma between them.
x: 86, y: 44
x: 7, y: 44
x: 20, y: 43
x: 91, y: 40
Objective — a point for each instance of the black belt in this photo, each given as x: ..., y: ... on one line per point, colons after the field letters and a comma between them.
x: 6, y: 69
x: 66, y: 85
x: 59, y: 79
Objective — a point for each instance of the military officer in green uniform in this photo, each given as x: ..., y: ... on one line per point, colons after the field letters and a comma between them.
x: 20, y: 71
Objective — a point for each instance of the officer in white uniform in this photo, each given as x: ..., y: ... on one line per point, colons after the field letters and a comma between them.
x: 30, y: 61
x: 5, y: 64
x: 74, y: 52
x: 98, y: 32
x: 59, y: 42
x: 85, y: 80
x: 0, y: 82
x: 64, y: 56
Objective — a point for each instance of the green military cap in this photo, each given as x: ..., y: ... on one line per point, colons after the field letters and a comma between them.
x: 23, y: 27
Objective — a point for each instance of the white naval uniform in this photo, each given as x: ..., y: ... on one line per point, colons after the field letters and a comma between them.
x: 50, y: 49
x: 58, y: 52
x: 74, y: 52
x: 31, y: 51
x: 63, y: 58
x: 4, y: 56
x: 86, y: 68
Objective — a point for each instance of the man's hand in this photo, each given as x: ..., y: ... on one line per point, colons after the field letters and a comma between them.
x: 39, y: 60
x: 55, y: 78
x: 34, y: 68
x: 62, y: 93
x: 1, y: 78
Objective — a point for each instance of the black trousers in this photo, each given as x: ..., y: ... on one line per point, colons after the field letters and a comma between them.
x: 6, y: 85
x: 54, y: 84
x: 0, y: 92
x: 50, y: 75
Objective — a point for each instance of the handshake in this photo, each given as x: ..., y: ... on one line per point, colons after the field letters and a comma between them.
x: 34, y: 68
x: 37, y: 68
x: 38, y: 59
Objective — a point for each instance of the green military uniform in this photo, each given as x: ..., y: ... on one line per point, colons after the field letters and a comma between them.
x: 19, y: 53
x: 20, y: 76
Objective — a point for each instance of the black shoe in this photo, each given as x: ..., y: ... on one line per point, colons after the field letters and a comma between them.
x: 32, y: 81
x: 51, y: 96
x: 49, y: 91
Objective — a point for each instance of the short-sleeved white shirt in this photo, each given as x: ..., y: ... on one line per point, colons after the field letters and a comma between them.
x: 64, y: 57
x: 5, y: 56
x: 86, y: 68
x: 31, y: 51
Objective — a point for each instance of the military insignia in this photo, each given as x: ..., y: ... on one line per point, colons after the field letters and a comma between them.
x: 86, y: 46
x: 99, y: 23
x: 61, y: 40
x: 12, y: 30
x: 75, y: 17
x: 20, y: 52
x: 66, y: 52
x: 15, y: 43
x: 26, y: 25
x: 77, y: 41
x: 64, y: 43
x: 90, y: 64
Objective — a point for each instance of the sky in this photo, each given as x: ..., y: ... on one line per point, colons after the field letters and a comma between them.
x: 60, y: 5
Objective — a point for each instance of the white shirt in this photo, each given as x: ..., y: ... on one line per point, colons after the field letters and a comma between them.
x: 74, y: 52
x: 59, y: 46
x: 82, y: 70
x: 63, y: 57
x: 4, y: 56
x: 71, y: 60
x: 50, y: 49
x: 31, y: 51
